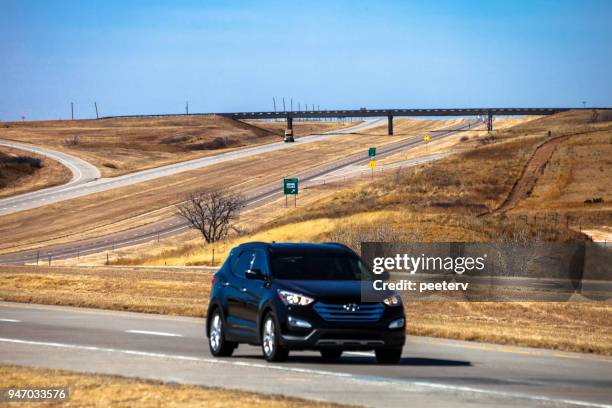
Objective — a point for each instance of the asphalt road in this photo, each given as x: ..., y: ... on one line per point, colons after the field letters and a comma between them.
x: 174, y: 225
x: 432, y: 373
x: 90, y: 185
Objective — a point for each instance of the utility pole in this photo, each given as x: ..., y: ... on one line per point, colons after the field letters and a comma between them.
x: 96, y: 106
x: 72, y: 110
x: 284, y: 110
x: 291, y: 104
x: 274, y: 102
x: 186, y: 107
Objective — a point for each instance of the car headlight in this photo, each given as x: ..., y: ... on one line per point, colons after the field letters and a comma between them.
x: 393, y: 300
x: 294, y: 299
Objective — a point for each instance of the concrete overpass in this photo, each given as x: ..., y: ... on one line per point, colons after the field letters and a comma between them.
x: 389, y: 113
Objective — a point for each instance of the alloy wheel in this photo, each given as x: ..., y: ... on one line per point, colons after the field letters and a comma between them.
x: 269, y: 337
x: 216, y: 333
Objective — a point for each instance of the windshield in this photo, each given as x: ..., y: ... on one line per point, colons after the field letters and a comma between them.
x: 318, y: 267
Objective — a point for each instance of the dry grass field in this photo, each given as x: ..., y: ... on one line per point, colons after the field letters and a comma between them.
x: 576, y: 181
x: 443, y: 200
x: 125, y: 207
x: 579, y: 326
x: 446, y: 200
x: 21, y: 172
x: 455, y: 143
x: 119, y: 146
x: 94, y: 390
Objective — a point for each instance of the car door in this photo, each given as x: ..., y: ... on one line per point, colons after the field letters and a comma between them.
x: 256, y: 288
x: 236, y: 293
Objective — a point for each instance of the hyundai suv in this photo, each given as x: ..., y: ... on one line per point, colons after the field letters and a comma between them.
x: 288, y: 296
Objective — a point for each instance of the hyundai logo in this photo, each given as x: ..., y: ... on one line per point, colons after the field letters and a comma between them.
x: 351, y: 307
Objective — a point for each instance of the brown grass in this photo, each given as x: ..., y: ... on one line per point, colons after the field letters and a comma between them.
x: 94, y: 390
x: 119, y: 146
x: 583, y: 326
x: 580, y: 169
x: 22, y: 178
x: 127, y: 207
x: 143, y: 290
x: 438, y: 201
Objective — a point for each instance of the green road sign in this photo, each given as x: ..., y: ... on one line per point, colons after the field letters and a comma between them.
x: 290, y: 186
x: 372, y: 151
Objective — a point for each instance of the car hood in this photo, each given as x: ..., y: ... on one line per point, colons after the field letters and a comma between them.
x: 333, y: 291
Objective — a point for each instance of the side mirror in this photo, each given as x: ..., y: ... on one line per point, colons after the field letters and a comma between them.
x: 255, y: 274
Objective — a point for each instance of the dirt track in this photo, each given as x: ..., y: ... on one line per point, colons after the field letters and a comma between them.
x: 531, y: 172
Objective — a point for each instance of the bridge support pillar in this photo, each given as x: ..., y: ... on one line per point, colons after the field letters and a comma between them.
x: 390, y: 125
x: 490, y: 121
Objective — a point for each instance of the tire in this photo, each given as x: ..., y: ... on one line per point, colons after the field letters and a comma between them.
x: 331, y: 354
x: 388, y: 355
x: 219, y: 347
x: 270, y: 347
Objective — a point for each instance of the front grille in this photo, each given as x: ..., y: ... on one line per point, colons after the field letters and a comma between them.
x: 365, y: 312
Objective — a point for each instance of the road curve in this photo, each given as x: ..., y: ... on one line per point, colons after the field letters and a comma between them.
x: 91, y: 186
x: 432, y: 372
x: 174, y: 225
x: 82, y: 172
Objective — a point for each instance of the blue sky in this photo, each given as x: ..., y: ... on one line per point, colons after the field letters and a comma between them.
x: 150, y: 56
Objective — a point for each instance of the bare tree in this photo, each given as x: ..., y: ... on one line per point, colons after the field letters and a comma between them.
x: 212, y: 212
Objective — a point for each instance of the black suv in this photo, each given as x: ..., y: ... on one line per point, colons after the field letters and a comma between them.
x: 286, y: 296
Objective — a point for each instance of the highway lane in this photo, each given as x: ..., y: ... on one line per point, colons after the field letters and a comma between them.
x: 95, y: 185
x: 174, y: 225
x: 432, y: 373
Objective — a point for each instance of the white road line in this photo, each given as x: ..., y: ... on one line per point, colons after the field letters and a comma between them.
x: 10, y: 320
x: 154, y: 333
x: 384, y: 381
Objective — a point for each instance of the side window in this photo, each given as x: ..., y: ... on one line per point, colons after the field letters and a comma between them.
x: 260, y: 262
x: 243, y: 262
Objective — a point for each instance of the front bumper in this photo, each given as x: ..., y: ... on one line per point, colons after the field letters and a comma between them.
x: 346, y: 339
x: 346, y: 335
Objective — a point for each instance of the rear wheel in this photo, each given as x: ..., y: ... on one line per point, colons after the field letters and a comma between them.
x: 270, y: 346
x: 331, y: 354
x: 219, y: 347
x: 388, y: 355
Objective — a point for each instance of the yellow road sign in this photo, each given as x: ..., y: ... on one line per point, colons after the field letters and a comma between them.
x: 426, y: 138
x: 372, y: 164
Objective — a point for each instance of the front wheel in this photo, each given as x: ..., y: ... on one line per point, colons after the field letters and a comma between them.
x: 388, y: 355
x: 270, y: 346
x: 219, y: 347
